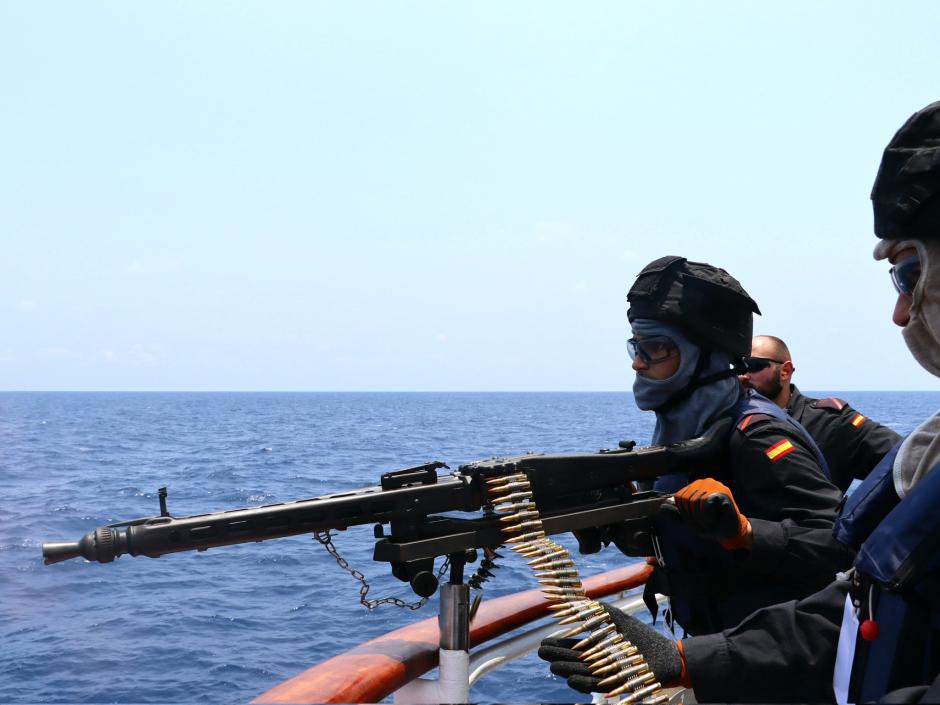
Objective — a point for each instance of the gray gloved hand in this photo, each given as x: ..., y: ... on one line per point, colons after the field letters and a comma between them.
x: 565, y: 663
x: 660, y: 653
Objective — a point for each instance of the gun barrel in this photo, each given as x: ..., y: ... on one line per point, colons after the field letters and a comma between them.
x: 160, y: 535
x: 57, y: 551
x: 102, y: 545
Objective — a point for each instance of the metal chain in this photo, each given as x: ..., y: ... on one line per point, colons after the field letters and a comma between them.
x: 326, y: 538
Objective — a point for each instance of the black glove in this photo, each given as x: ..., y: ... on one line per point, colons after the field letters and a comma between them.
x: 660, y: 653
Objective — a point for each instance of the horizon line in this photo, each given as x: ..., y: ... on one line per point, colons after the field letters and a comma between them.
x: 394, y: 391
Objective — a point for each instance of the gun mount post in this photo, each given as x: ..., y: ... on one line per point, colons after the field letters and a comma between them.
x: 453, y: 619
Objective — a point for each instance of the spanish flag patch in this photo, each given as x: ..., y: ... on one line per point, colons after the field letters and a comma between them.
x: 779, y: 449
x: 857, y: 421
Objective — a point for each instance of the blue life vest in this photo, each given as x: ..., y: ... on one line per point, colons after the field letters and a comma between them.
x: 897, y: 581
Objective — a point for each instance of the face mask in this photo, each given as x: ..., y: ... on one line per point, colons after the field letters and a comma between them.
x: 922, y: 333
x: 650, y: 394
x: 689, y: 417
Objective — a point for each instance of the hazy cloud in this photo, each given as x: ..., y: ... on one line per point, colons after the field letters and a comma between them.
x: 55, y: 352
x: 135, y: 356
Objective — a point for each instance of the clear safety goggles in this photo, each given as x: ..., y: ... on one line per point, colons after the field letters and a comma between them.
x: 651, y: 350
x: 904, y: 274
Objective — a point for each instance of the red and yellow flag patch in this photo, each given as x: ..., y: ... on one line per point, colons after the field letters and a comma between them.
x: 779, y: 449
x: 857, y: 421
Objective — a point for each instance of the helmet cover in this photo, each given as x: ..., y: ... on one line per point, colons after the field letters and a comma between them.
x: 708, y: 304
x: 906, y: 193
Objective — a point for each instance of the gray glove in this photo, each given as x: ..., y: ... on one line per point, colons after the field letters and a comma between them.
x: 660, y: 653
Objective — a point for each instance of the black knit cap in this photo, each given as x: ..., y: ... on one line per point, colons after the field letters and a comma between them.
x: 906, y: 194
x: 705, y: 302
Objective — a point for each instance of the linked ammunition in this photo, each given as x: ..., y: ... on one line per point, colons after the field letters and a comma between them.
x: 596, y: 636
x: 580, y: 615
x: 564, y: 592
x: 567, y: 608
x: 571, y: 605
x: 586, y: 626
x: 640, y: 695
x: 598, y: 651
x: 521, y: 485
x: 610, y: 656
x: 506, y: 479
x: 514, y: 508
x: 622, y: 655
x: 543, y: 545
x: 600, y: 618
x: 558, y: 573
x: 561, y: 552
x: 531, y: 548
x: 512, y: 497
x: 519, y: 516
x: 632, y: 684
x: 626, y: 659
x: 523, y: 526
x: 623, y: 675
x: 547, y: 564
x: 660, y: 699
x: 561, y: 582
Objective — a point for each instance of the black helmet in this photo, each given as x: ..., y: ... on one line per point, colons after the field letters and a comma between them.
x: 705, y: 302
x: 906, y: 194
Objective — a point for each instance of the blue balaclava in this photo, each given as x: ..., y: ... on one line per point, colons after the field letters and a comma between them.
x: 688, y: 418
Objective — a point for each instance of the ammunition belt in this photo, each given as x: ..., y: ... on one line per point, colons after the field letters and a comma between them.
x: 611, y: 657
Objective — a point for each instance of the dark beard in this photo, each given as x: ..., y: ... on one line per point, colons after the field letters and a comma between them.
x: 773, y: 387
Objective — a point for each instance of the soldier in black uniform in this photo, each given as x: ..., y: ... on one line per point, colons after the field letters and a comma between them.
x: 851, y: 442
x: 692, y: 325
x: 874, y: 633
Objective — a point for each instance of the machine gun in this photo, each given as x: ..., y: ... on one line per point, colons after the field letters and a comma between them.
x: 555, y: 493
x: 574, y: 491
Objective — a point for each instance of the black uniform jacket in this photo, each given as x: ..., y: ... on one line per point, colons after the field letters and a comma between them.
x: 780, y: 487
x: 785, y: 653
x: 851, y: 443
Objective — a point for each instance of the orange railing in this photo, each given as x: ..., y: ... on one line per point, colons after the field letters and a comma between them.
x: 373, y: 670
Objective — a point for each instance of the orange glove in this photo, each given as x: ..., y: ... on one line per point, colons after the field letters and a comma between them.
x: 709, y: 506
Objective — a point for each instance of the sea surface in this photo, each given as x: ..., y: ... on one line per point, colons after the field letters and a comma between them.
x: 230, y: 623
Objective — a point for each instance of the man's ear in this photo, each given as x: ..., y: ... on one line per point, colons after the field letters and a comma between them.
x: 786, y: 370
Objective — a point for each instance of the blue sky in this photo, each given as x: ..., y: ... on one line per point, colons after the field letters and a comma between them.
x: 438, y: 196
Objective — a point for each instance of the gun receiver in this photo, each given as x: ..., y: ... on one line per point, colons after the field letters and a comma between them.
x: 574, y: 490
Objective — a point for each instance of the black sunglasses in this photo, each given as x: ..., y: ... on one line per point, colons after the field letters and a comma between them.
x: 756, y: 364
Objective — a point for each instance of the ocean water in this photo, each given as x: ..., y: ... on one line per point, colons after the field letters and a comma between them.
x: 230, y: 623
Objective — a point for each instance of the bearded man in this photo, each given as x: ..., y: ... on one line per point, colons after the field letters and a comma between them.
x: 851, y: 442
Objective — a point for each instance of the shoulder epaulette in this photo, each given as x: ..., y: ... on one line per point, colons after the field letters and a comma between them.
x: 829, y: 403
x: 752, y: 419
